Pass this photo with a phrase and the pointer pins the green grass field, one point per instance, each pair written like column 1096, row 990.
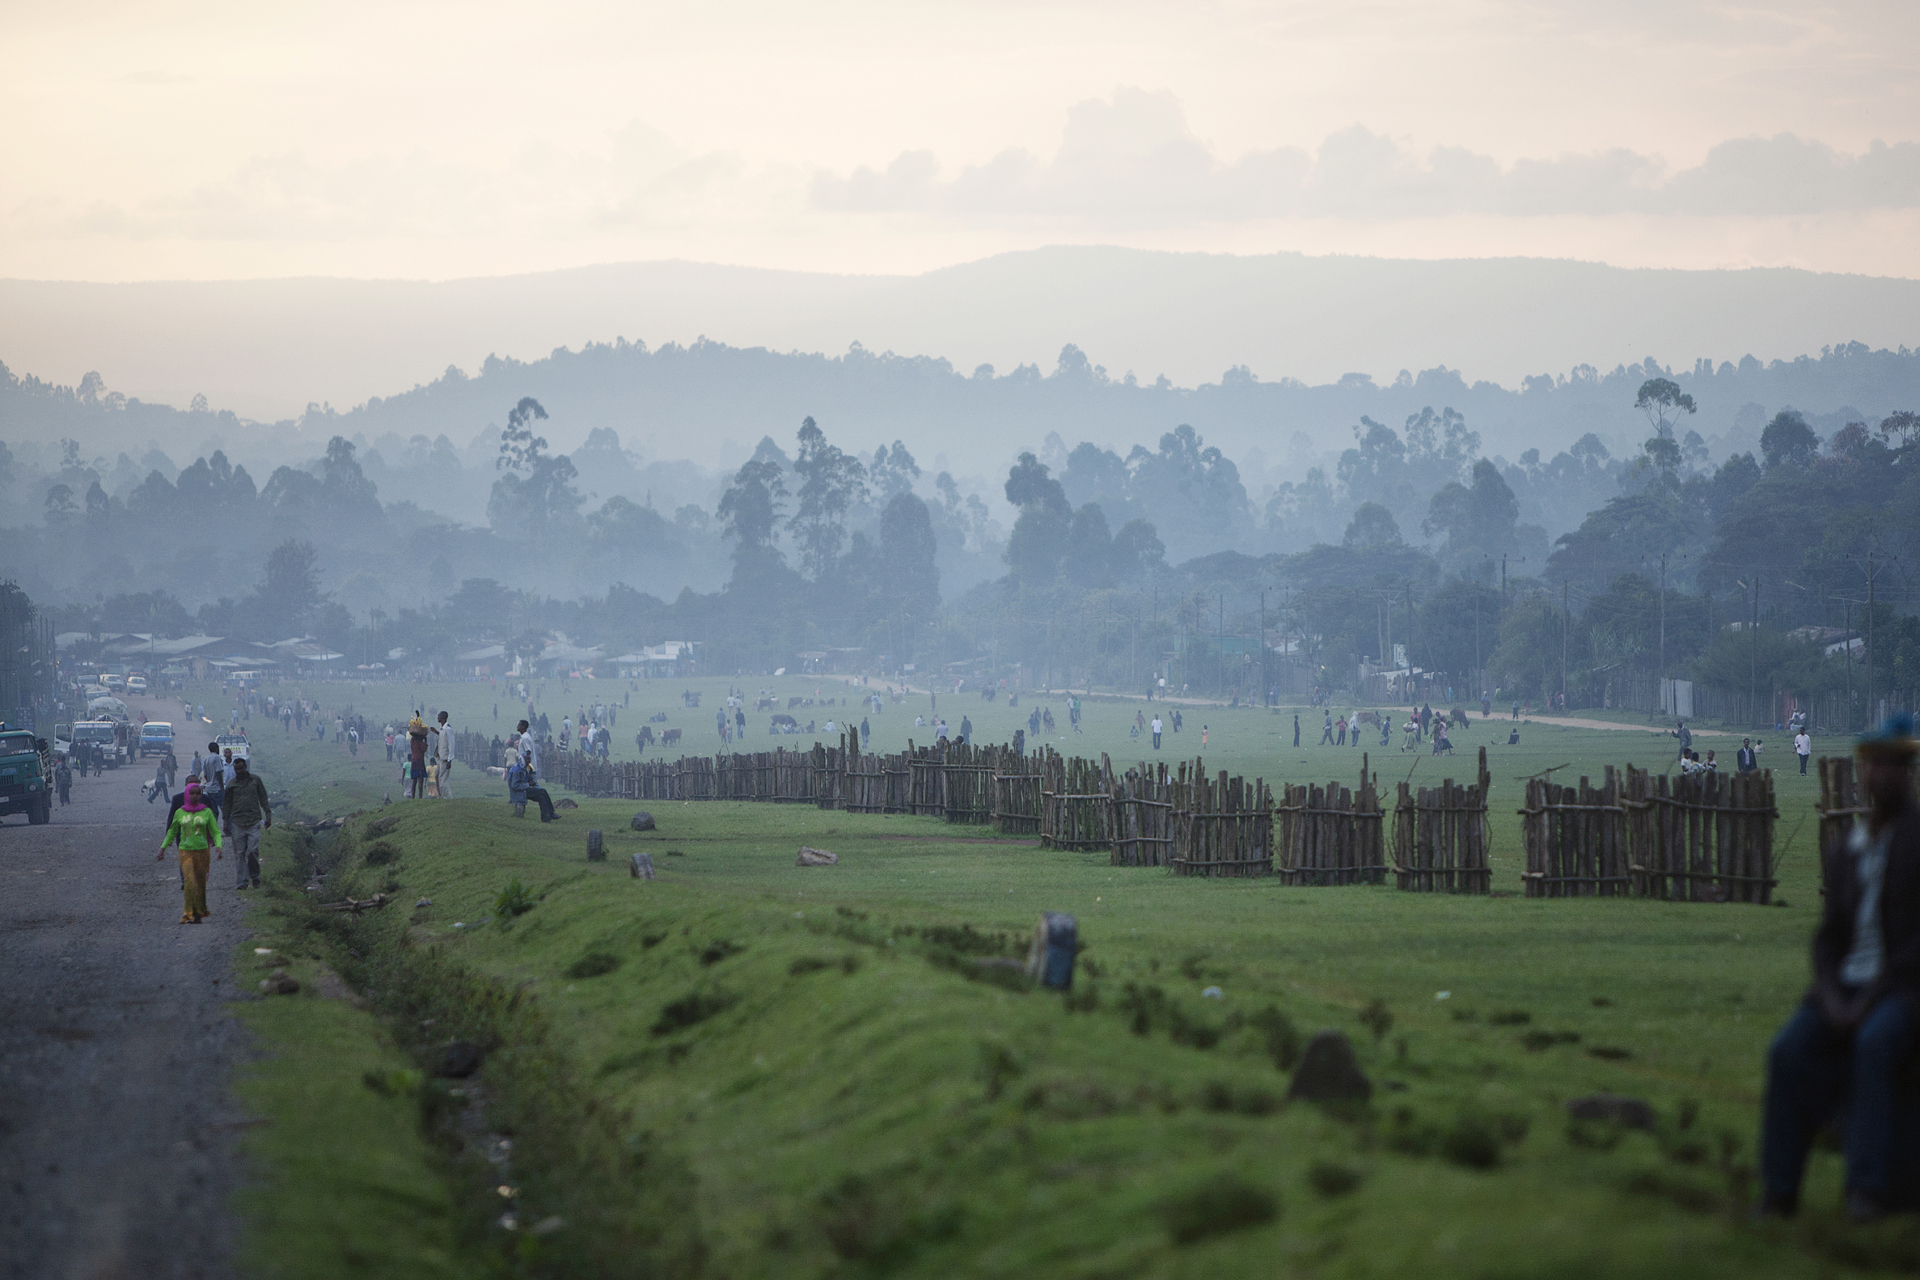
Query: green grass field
column 813, row 1053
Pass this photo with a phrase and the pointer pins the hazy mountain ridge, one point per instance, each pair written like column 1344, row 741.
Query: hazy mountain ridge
column 1292, row 323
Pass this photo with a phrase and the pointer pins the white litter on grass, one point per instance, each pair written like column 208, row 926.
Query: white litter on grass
column 1443, row 995
column 1212, row 993
column 263, row 951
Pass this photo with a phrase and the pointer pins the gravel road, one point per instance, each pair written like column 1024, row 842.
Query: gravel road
column 117, row 1044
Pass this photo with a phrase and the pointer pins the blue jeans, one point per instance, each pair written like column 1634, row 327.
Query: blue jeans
column 1812, row 1070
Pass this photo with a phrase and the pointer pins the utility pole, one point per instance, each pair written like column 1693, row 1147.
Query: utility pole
column 1662, row 675
column 1846, row 648
column 1265, row 699
column 1566, row 625
column 1386, row 608
column 1503, row 579
column 1410, row 679
column 1753, row 673
column 1870, row 653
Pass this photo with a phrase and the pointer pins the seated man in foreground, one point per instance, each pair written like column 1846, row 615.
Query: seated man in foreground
column 522, row 786
column 1846, row 1041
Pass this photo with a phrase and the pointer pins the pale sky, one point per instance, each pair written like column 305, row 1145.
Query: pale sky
column 430, row 140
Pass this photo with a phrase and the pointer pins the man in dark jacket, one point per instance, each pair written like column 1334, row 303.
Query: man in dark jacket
column 1851, row 1033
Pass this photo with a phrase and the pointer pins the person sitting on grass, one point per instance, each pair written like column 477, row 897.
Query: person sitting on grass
column 522, row 786
column 1848, row 1039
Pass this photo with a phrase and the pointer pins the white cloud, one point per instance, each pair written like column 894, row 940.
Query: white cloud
column 1132, row 161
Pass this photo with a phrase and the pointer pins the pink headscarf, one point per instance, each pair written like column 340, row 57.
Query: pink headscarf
column 192, row 803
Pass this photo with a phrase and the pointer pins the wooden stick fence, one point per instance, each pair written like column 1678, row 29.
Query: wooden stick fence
column 1073, row 801
column 1576, row 840
column 1440, row 837
column 1702, row 837
column 1331, row 835
column 1017, row 795
column 1140, row 813
column 1842, row 802
column 1221, row 827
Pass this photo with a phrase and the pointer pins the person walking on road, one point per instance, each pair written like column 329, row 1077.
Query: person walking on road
column 249, row 815
column 171, row 764
column 195, row 830
column 63, row 780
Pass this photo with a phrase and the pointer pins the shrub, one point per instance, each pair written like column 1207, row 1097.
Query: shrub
column 593, row 964
column 381, row 853
column 1332, row 1180
column 1283, row 1038
column 1225, row 1202
column 514, row 900
column 690, row 1010
column 1377, row 1019
column 719, row 949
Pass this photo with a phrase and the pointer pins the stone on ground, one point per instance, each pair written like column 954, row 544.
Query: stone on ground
column 1328, row 1072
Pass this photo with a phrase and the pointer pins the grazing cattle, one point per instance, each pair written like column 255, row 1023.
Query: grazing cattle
column 785, row 721
column 794, row 702
column 644, row 738
column 670, row 737
column 764, row 703
column 1458, row 717
column 1369, row 717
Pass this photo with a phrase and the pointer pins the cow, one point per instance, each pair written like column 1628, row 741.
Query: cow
column 794, row 702
column 669, row 737
column 764, row 703
column 644, row 738
column 785, row 721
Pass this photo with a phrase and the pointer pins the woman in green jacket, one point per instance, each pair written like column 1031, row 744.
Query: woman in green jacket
column 196, row 830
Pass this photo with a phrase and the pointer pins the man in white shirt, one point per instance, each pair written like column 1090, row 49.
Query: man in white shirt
column 1802, row 747
column 1156, row 733
column 442, row 735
